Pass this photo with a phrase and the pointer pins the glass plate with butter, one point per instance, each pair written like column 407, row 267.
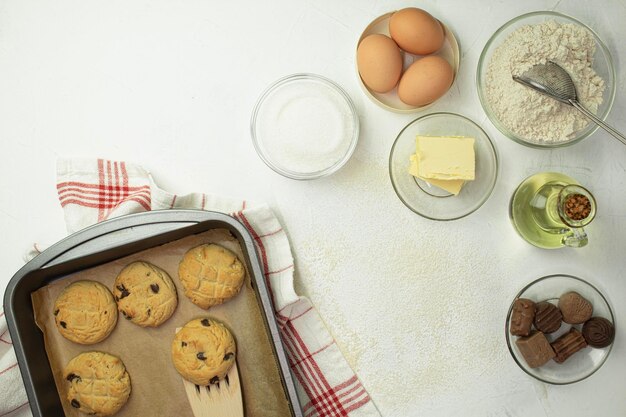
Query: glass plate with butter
column 443, row 166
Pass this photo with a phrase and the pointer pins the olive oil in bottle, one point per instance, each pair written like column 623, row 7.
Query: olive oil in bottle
column 549, row 209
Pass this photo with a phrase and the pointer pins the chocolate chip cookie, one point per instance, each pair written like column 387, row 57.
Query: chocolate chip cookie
column 145, row 294
column 98, row 383
column 211, row 275
column 203, row 351
column 85, row 312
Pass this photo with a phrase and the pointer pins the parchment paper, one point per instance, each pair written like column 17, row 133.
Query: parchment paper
column 157, row 388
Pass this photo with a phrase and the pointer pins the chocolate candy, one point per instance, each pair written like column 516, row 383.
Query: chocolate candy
column 522, row 317
column 598, row 332
column 568, row 344
column 548, row 317
column 575, row 308
column 535, row 349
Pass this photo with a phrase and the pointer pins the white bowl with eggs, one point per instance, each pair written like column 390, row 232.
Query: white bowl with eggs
column 412, row 79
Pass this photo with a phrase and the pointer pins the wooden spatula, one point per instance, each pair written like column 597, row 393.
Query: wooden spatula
column 222, row 399
column 217, row 400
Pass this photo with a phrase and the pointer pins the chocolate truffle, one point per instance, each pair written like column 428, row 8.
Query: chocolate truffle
column 575, row 308
column 568, row 344
column 598, row 332
column 522, row 317
column 548, row 317
column 535, row 349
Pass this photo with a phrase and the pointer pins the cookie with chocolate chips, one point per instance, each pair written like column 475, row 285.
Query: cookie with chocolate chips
column 85, row 312
column 145, row 294
column 211, row 275
column 203, row 351
column 98, row 383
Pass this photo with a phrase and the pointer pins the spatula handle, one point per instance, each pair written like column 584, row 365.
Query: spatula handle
column 599, row 122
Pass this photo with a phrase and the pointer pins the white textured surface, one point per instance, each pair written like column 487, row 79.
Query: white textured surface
column 417, row 306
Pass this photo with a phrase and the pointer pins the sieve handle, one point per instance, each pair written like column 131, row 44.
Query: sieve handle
column 599, row 122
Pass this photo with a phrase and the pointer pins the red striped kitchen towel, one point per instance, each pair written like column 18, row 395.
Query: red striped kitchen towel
column 12, row 395
column 94, row 190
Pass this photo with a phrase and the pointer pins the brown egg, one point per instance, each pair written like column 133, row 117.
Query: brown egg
column 425, row 81
column 416, row 31
column 379, row 62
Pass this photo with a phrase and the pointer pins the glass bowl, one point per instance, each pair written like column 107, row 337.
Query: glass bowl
column 602, row 64
column 432, row 202
column 583, row 363
column 390, row 100
column 304, row 126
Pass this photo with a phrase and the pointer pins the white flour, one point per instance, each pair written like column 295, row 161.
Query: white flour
column 306, row 126
column 527, row 113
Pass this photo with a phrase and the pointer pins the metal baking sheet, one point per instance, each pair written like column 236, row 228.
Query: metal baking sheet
column 104, row 243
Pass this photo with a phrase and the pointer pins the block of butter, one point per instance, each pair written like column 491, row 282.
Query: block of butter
column 451, row 186
column 445, row 157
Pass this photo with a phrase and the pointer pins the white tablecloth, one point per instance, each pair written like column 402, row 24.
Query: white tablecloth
column 416, row 306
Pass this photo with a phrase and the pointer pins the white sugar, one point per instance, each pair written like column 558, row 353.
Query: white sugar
column 305, row 127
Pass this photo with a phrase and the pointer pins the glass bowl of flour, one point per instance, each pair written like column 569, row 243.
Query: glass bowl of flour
column 523, row 114
column 304, row 126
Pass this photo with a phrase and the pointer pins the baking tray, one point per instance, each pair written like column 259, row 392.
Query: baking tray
column 102, row 243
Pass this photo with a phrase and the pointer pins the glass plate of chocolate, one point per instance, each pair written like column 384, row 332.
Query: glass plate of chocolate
column 560, row 329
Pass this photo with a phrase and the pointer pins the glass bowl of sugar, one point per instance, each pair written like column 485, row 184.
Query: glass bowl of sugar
column 523, row 114
column 304, row 126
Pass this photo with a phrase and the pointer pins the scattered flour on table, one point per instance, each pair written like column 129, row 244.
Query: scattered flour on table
column 408, row 302
column 527, row 113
